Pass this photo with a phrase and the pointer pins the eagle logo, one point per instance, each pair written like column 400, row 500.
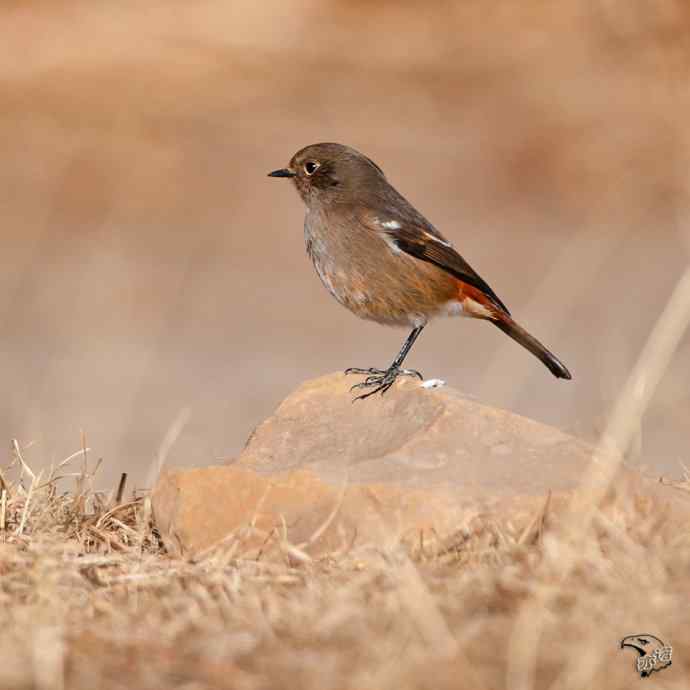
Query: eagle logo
column 653, row 654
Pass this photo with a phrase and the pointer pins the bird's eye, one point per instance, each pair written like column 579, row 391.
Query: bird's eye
column 310, row 167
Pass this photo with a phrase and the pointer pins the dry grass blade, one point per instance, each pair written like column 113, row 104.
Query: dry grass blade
column 18, row 455
column 329, row 519
column 121, row 488
column 27, row 503
column 171, row 435
column 3, row 509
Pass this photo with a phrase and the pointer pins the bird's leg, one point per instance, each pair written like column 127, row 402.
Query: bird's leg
column 382, row 379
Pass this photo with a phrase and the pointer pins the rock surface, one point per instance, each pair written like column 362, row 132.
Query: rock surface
column 323, row 473
column 413, row 436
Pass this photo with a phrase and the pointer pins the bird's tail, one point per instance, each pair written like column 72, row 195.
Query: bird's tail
column 529, row 342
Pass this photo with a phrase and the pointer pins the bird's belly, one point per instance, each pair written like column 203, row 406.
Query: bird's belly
column 397, row 295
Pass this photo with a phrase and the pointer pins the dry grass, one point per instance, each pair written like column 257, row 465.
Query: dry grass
column 90, row 600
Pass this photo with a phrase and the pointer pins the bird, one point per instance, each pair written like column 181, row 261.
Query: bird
column 384, row 261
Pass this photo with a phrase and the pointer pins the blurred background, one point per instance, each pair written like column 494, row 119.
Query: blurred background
column 154, row 281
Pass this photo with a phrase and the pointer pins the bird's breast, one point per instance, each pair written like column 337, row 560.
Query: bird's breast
column 360, row 269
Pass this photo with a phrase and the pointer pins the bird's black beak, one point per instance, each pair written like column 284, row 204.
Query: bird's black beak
column 283, row 172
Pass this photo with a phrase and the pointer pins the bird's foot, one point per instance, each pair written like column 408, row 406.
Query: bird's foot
column 379, row 379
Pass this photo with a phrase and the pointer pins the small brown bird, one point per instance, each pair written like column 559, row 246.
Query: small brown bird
column 380, row 258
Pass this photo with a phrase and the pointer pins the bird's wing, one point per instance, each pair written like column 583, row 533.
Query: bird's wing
column 417, row 237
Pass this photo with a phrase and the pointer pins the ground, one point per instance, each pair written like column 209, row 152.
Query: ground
column 91, row 600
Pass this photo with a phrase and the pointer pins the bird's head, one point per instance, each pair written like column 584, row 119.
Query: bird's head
column 328, row 173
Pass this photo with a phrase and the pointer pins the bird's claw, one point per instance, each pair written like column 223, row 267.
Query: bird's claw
column 360, row 371
column 379, row 379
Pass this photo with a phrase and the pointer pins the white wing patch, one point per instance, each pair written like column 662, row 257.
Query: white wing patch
column 390, row 224
column 396, row 225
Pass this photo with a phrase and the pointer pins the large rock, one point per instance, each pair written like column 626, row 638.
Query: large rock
column 324, row 473
column 413, row 436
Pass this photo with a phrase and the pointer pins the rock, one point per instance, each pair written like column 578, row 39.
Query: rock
column 413, row 436
column 324, row 473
